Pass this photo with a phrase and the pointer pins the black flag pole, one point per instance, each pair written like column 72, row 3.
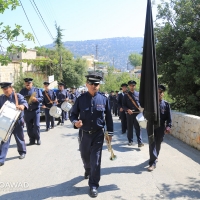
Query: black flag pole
column 148, row 83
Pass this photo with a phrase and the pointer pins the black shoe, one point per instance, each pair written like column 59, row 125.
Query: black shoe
column 39, row 142
column 1, row 164
column 140, row 145
column 130, row 144
column 93, row 192
column 22, row 156
column 123, row 132
column 151, row 168
column 47, row 129
column 58, row 123
column 30, row 143
column 86, row 175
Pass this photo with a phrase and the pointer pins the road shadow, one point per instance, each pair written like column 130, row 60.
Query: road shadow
column 179, row 191
column 121, row 147
column 12, row 158
column 137, row 169
column 13, row 146
column 183, row 148
column 175, row 143
column 65, row 189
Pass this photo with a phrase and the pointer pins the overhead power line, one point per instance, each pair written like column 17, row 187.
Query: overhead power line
column 29, row 23
column 43, row 20
column 40, row 18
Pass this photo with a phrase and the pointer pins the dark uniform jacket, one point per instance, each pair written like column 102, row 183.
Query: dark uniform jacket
column 111, row 98
column 127, row 103
column 120, row 100
column 52, row 96
column 165, row 114
column 61, row 96
column 72, row 97
column 94, row 112
column 115, row 100
column 27, row 93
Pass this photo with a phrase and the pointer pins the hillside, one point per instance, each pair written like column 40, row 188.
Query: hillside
column 117, row 48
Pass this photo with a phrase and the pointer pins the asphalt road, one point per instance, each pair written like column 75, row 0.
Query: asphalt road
column 54, row 170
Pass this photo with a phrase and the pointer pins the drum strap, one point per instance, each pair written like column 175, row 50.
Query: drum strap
column 16, row 99
column 132, row 101
column 48, row 97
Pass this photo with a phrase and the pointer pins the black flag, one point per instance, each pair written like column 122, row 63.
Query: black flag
column 149, row 83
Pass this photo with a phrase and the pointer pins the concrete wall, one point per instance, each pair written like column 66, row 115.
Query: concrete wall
column 186, row 128
column 10, row 72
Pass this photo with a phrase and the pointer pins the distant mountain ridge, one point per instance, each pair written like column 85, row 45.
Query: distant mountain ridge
column 109, row 50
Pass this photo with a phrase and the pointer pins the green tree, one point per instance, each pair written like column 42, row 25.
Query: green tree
column 113, row 81
column 110, row 81
column 58, row 40
column 135, row 59
column 9, row 36
column 178, row 52
column 73, row 70
column 60, row 49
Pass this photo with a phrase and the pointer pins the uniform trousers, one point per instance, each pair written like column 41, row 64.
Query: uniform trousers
column 154, row 148
column 19, row 138
column 123, row 121
column 131, row 121
column 62, row 118
column 48, row 118
column 32, row 120
column 116, row 110
column 91, row 150
column 111, row 106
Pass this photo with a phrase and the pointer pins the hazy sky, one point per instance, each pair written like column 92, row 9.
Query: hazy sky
column 81, row 19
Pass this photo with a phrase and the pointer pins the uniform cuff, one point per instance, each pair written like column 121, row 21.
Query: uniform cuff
column 110, row 133
column 73, row 122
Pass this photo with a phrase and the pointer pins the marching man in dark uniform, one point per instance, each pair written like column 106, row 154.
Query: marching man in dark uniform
column 111, row 101
column 88, row 115
column 115, row 103
column 62, row 95
column 73, row 94
column 165, row 126
column 49, row 100
column 18, row 130
column 131, row 107
column 32, row 114
column 121, row 110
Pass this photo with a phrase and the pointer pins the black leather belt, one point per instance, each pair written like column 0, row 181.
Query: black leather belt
column 32, row 109
column 91, row 132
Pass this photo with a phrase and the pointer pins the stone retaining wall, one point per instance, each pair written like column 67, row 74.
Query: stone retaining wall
column 187, row 128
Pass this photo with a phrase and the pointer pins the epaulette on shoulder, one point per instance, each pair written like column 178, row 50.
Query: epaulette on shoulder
column 103, row 94
column 166, row 102
column 79, row 95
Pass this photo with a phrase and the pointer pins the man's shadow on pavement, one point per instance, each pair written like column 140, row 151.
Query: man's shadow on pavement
column 123, row 148
column 60, row 190
column 137, row 169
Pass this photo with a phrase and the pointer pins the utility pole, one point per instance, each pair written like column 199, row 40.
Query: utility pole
column 127, row 64
column 96, row 56
column 96, row 51
column 113, row 62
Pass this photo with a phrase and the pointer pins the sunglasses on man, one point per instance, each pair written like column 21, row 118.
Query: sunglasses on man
column 91, row 83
